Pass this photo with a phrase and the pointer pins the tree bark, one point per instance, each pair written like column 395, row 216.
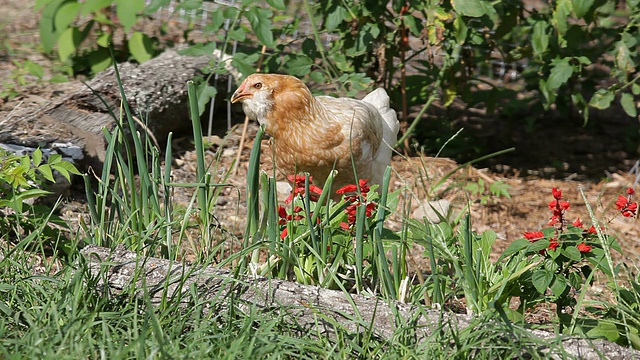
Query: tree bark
column 305, row 305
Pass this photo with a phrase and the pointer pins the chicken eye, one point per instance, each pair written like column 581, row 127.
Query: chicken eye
column 257, row 85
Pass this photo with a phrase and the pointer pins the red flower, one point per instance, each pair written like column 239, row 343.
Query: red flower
column 533, row 236
column 626, row 207
column 347, row 189
column 592, row 230
column 559, row 205
column 284, row 233
column 557, row 194
column 630, row 191
column 578, row 223
column 584, row 248
column 351, row 188
column 299, row 188
column 553, row 244
column 354, row 201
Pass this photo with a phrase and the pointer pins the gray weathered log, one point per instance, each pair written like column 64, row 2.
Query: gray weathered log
column 302, row 303
column 156, row 89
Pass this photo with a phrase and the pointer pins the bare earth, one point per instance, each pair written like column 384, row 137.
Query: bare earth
column 530, row 191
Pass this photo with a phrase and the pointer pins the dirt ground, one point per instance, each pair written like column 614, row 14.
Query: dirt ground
column 529, row 186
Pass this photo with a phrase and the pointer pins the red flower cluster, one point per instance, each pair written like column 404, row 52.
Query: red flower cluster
column 625, row 206
column 298, row 188
column 356, row 200
column 558, row 207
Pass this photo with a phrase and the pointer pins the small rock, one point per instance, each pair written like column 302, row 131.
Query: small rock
column 284, row 189
column 431, row 209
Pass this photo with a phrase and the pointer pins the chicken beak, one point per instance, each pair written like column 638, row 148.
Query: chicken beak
column 240, row 93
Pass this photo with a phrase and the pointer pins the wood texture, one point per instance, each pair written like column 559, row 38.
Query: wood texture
column 307, row 306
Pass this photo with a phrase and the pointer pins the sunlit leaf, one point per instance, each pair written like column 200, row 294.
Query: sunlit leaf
column 68, row 43
column 540, row 37
column 127, row 11
column 472, row 8
column 45, row 170
column 605, row 329
column 629, row 104
column 37, row 157
column 141, row 47
column 66, row 14
column 602, row 99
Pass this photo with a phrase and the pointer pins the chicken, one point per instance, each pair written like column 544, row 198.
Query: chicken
column 315, row 134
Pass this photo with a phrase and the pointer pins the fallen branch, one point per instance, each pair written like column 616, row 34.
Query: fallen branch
column 304, row 304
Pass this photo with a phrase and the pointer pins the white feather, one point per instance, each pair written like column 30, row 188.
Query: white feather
column 380, row 100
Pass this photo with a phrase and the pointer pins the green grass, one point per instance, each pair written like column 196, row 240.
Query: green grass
column 67, row 313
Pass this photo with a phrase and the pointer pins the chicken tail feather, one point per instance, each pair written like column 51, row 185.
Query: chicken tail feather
column 380, row 100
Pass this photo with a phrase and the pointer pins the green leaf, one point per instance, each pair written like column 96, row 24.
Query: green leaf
column 65, row 15
column 575, row 280
column 99, row 59
column 34, row 69
column 45, row 170
column 190, row 5
column 277, row 4
column 58, row 78
column 205, row 94
column 95, row 6
column 261, row 24
column 37, row 157
column 54, row 159
column 244, row 62
column 623, row 62
column 560, row 16
column 415, row 25
column 202, row 49
column 635, row 89
column 155, row 5
column 317, row 76
column 541, row 280
column 539, row 245
column 540, row 38
column 472, row 8
column 48, row 33
column 605, row 329
column 582, row 7
column 560, row 73
column 572, row 253
column 334, row 18
column 559, row 285
column 602, row 99
column 461, row 30
column 629, row 104
column 515, row 247
column 299, row 65
column 104, row 40
column 67, row 166
column 68, row 43
column 141, row 47
column 127, row 11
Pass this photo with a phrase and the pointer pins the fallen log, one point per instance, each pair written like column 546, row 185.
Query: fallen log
column 120, row 269
column 156, row 92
